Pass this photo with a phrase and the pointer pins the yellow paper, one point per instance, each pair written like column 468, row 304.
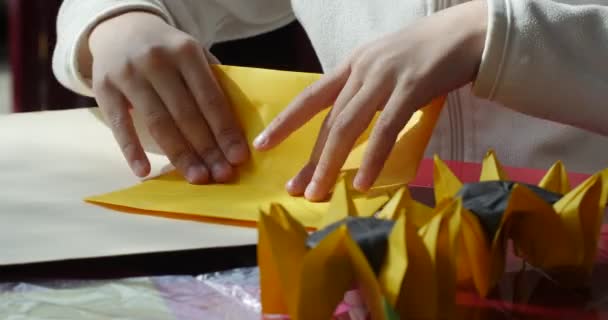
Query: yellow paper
column 326, row 270
column 257, row 96
column 408, row 276
column 491, row 168
column 556, row 179
column 583, row 212
column 341, row 205
column 473, row 248
column 396, row 263
column 446, row 184
column 284, row 243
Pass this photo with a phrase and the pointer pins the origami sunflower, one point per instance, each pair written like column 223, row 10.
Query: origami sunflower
column 407, row 259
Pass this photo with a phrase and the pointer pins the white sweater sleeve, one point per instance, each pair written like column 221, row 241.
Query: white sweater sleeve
column 206, row 20
column 75, row 21
column 547, row 59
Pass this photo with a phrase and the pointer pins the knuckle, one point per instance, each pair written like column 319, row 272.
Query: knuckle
column 386, row 129
column 153, row 56
column 212, row 98
column 340, row 127
column 409, row 81
column 321, row 172
column 211, row 154
column 103, row 83
column 182, row 106
column 156, row 123
column 126, row 72
column 129, row 148
column 382, row 66
column 182, row 158
column 363, row 60
column 183, row 112
column 343, row 127
column 187, row 47
column 116, row 120
column 229, row 133
column 229, row 136
column 310, row 92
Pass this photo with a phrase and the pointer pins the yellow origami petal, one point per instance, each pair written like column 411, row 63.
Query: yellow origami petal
column 327, row 273
column 282, row 250
column 604, row 178
column 447, row 250
column 400, row 200
column 445, row 182
column 396, row 263
column 419, row 291
column 475, row 251
column 439, row 237
column 331, row 269
column 556, row 179
column 418, row 213
column 582, row 215
column 366, row 279
column 491, row 169
column 408, row 275
column 368, row 205
column 273, row 301
column 537, row 231
column 340, row 206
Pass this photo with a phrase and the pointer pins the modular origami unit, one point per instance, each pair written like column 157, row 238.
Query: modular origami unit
column 408, row 259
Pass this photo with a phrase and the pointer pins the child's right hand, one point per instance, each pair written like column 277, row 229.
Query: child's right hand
column 163, row 74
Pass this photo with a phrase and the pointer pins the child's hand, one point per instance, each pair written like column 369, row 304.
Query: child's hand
column 139, row 61
column 398, row 74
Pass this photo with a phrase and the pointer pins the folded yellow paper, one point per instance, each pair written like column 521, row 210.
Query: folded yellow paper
column 258, row 95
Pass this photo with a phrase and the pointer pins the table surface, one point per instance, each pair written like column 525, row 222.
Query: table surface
column 49, row 162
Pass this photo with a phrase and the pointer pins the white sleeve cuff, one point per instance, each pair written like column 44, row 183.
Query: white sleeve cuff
column 495, row 50
column 76, row 20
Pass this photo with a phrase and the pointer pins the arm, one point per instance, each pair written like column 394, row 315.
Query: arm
column 206, row 21
column 548, row 59
column 147, row 60
column 72, row 59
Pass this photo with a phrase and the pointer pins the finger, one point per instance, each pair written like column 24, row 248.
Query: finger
column 345, row 131
column 213, row 104
column 382, row 140
column 171, row 88
column 163, row 129
column 297, row 185
column 115, row 109
column 350, row 89
column 317, row 97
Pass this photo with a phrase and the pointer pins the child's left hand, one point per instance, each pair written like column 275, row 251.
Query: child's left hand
column 398, row 73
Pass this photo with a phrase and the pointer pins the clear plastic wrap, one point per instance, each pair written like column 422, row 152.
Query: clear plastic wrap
column 226, row 295
column 235, row 294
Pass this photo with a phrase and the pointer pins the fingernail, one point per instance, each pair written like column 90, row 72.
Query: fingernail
column 291, row 188
column 197, row 175
column 360, row 183
column 311, row 191
column 261, row 140
column 139, row 166
column 222, row 172
column 237, row 153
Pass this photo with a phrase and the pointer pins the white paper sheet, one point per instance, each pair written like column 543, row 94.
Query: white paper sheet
column 50, row 161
